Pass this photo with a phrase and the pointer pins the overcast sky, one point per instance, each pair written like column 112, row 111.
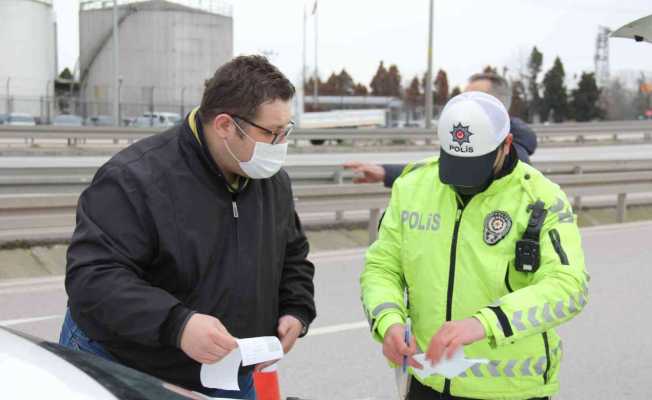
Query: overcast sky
column 468, row 34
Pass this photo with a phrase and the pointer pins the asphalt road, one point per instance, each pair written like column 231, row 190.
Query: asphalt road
column 608, row 350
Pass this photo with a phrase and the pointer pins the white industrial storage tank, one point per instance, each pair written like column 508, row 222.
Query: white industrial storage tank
column 167, row 49
column 27, row 54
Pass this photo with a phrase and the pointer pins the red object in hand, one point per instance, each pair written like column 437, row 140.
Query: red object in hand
column 266, row 384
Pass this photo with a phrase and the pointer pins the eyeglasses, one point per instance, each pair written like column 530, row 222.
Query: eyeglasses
column 285, row 132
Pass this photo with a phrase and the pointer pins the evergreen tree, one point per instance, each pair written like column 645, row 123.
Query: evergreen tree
column 360, row 90
column 584, row 103
column 344, row 83
column 519, row 106
column 66, row 74
column 394, row 87
column 441, row 88
column 554, row 93
column 413, row 95
column 378, row 82
column 534, row 68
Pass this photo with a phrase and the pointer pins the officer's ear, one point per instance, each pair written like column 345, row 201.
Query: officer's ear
column 503, row 152
column 507, row 143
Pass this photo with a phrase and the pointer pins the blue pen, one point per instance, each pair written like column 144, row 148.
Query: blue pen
column 407, row 342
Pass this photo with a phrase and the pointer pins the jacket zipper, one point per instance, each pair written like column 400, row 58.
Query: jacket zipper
column 547, row 346
column 235, row 207
column 451, row 281
column 507, row 285
column 236, row 215
column 556, row 243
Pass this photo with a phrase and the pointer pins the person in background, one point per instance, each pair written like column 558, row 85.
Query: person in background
column 525, row 140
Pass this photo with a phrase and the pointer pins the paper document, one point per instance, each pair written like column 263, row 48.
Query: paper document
column 448, row 368
column 260, row 349
column 224, row 374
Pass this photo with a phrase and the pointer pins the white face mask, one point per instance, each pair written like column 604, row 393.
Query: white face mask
column 266, row 161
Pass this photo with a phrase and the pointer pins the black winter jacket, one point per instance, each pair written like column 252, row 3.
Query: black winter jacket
column 159, row 236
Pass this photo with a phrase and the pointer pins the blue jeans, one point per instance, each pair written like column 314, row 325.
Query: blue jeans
column 74, row 338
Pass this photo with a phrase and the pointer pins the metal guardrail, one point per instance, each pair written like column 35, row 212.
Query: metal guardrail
column 577, row 131
column 47, row 216
column 75, row 179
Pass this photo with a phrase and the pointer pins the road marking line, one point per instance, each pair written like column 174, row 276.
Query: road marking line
column 34, row 285
column 325, row 330
column 19, row 282
column 11, row 322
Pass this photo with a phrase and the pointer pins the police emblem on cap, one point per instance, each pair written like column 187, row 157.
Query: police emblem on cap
column 461, row 134
column 496, row 227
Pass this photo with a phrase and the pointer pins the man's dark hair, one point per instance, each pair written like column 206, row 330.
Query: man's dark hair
column 500, row 88
column 241, row 85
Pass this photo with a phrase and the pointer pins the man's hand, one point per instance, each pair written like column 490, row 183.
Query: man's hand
column 451, row 336
column 288, row 330
column 367, row 173
column 394, row 347
column 206, row 340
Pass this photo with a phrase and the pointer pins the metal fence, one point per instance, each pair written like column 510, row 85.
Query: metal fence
column 44, row 109
column 39, row 216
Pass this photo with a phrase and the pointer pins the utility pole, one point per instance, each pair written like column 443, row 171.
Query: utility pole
column 303, row 69
column 183, row 108
column 428, row 95
column 116, row 67
column 8, row 99
column 315, row 101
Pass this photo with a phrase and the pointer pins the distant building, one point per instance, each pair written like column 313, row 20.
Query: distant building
column 27, row 51
column 167, row 49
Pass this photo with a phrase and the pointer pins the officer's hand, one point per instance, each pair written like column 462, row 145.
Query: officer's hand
column 367, row 173
column 451, row 336
column 206, row 340
column 394, row 347
column 289, row 328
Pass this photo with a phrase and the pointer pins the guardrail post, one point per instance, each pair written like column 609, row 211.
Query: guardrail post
column 621, row 210
column 577, row 200
column 338, row 179
column 647, row 136
column 374, row 219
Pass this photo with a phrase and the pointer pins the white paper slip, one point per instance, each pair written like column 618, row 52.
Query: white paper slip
column 260, row 349
column 448, row 368
column 224, row 374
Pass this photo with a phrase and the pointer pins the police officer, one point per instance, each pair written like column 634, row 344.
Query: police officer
column 490, row 255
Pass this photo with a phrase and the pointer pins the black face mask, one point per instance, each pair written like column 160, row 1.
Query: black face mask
column 469, row 191
column 473, row 190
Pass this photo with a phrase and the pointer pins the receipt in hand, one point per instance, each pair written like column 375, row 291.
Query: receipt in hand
column 448, row 368
column 224, row 374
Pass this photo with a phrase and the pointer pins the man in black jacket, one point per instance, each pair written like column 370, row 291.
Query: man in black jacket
column 189, row 239
column 525, row 140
